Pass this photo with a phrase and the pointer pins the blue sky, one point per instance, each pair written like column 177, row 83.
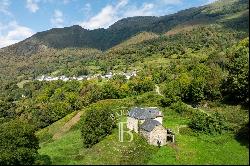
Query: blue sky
column 20, row 19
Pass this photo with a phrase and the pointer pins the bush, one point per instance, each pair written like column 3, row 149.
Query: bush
column 148, row 99
column 195, row 92
column 243, row 134
column 141, row 85
column 235, row 88
column 18, row 143
column 172, row 90
column 165, row 102
column 96, row 125
column 43, row 160
column 214, row 124
column 180, row 107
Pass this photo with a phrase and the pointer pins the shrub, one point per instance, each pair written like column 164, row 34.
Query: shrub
column 141, row 85
column 18, row 143
column 148, row 98
column 165, row 102
column 210, row 124
column 180, row 107
column 243, row 134
column 235, row 87
column 195, row 92
column 172, row 90
column 43, row 160
column 97, row 124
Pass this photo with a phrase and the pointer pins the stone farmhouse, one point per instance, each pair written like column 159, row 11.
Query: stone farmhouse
column 148, row 123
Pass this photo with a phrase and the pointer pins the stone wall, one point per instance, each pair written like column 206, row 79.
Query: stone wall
column 145, row 134
column 158, row 133
column 132, row 124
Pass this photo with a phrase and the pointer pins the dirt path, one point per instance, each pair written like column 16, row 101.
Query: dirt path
column 157, row 89
column 67, row 126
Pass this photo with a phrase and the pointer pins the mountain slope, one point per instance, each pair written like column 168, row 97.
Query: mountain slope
column 67, row 51
column 103, row 39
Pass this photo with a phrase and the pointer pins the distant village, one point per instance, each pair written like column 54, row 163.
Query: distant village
column 109, row 75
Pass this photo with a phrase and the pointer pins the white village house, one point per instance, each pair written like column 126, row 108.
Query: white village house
column 86, row 77
column 148, row 123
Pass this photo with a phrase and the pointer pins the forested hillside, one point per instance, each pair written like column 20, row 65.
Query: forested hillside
column 229, row 13
column 198, row 58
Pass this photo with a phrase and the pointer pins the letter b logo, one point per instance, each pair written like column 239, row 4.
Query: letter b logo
column 121, row 132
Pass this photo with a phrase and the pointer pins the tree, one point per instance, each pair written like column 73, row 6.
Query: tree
column 160, row 75
column 235, row 87
column 213, row 82
column 172, row 90
column 141, row 85
column 97, row 124
column 110, row 91
column 73, row 99
column 195, row 91
column 18, row 143
column 210, row 124
column 119, row 78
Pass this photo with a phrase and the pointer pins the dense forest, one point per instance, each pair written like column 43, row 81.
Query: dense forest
column 199, row 59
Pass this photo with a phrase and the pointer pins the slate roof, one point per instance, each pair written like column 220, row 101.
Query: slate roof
column 149, row 124
column 144, row 113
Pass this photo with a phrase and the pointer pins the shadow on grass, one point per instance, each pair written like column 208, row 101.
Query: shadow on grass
column 243, row 135
column 43, row 160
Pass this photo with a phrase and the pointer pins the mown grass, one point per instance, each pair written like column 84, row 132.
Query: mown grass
column 44, row 135
column 69, row 150
column 203, row 149
column 194, row 148
column 222, row 149
column 64, row 150
column 189, row 148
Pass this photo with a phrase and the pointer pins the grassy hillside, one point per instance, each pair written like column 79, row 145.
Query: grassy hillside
column 190, row 147
column 139, row 38
column 120, row 31
column 67, row 50
column 193, row 65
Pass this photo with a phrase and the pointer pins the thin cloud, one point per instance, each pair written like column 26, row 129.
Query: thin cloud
column 4, row 7
column 210, row 1
column 170, row 2
column 87, row 9
column 122, row 9
column 67, row 1
column 12, row 33
column 32, row 5
column 57, row 19
column 145, row 10
column 102, row 19
column 112, row 13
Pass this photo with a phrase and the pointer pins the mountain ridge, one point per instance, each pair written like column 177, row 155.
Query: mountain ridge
column 103, row 39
